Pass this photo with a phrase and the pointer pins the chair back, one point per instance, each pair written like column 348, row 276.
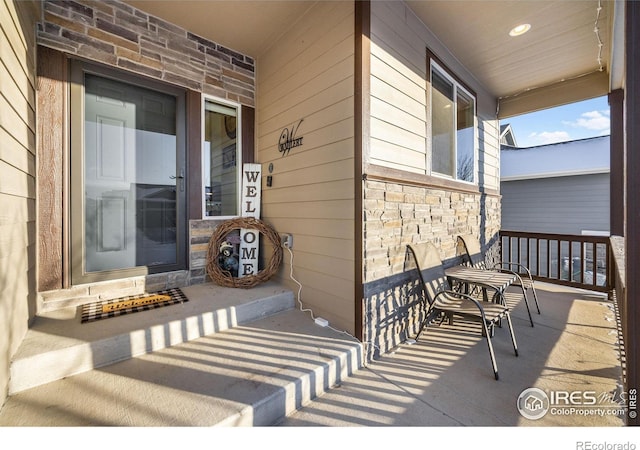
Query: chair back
column 430, row 269
column 473, row 251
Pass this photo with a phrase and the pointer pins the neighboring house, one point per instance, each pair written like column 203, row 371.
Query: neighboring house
column 556, row 188
column 507, row 137
column 559, row 188
column 125, row 124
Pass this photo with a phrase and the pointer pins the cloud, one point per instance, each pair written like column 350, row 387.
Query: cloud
column 549, row 137
column 592, row 120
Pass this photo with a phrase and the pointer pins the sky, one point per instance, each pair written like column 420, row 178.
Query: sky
column 580, row 120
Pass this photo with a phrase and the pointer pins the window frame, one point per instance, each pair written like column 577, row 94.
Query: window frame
column 239, row 154
column 434, row 63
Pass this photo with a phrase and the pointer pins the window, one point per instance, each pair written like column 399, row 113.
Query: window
column 221, row 163
column 453, row 137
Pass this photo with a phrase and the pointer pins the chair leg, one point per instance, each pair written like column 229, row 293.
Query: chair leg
column 535, row 297
column 492, row 330
column 423, row 325
column 494, row 364
column 513, row 336
column 449, row 316
column 526, row 302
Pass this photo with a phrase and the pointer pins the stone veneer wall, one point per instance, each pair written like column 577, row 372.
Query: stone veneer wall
column 200, row 232
column 117, row 35
column 396, row 215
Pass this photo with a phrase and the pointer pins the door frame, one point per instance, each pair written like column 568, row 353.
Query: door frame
column 76, row 173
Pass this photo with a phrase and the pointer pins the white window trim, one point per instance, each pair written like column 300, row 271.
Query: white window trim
column 237, row 107
column 445, row 74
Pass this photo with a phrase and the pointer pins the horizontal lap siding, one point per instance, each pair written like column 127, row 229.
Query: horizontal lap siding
column 17, row 178
column 398, row 91
column 557, row 205
column 489, row 153
column 399, row 42
column 308, row 74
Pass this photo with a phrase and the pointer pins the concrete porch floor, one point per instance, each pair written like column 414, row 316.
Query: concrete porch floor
column 280, row 363
column 445, row 379
column 230, row 357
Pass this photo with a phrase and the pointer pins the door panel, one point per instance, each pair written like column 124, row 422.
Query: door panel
column 109, row 156
column 111, row 231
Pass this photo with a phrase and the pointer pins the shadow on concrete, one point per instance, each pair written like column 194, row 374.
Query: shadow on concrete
column 445, row 379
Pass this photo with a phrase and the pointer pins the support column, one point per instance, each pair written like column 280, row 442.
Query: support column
column 632, row 231
column 362, row 72
column 617, row 173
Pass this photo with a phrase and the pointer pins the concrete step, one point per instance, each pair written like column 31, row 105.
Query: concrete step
column 253, row 374
column 58, row 345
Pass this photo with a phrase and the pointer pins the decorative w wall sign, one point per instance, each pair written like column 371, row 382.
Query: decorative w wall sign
column 289, row 139
column 250, row 238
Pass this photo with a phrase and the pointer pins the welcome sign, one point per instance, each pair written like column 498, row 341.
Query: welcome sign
column 250, row 238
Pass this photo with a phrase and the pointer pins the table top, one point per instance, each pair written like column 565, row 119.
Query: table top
column 490, row 278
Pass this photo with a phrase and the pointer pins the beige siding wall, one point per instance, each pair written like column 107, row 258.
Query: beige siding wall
column 17, row 177
column 308, row 75
column 398, row 95
column 489, row 154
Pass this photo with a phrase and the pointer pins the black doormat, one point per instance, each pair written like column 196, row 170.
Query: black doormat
column 132, row 304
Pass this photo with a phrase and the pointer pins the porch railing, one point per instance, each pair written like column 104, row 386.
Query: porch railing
column 573, row 260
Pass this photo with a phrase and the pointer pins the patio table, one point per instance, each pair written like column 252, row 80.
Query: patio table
column 484, row 279
column 497, row 281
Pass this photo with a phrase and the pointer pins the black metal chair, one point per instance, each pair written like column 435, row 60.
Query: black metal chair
column 476, row 258
column 440, row 299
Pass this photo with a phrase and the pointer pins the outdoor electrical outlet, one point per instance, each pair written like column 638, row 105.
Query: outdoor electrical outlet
column 286, row 240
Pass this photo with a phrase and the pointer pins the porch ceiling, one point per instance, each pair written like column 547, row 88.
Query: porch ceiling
column 556, row 62
column 247, row 26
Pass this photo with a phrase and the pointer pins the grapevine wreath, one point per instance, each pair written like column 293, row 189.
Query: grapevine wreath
column 224, row 277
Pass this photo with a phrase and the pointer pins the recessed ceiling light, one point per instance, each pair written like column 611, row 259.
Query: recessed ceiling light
column 520, row 29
